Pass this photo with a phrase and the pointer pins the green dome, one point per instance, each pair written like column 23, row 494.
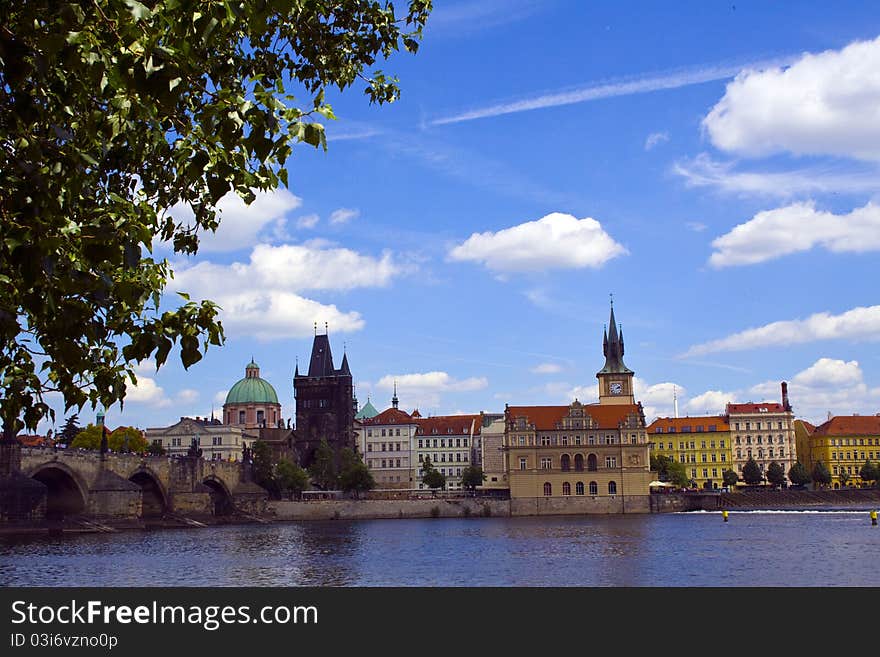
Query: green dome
column 252, row 389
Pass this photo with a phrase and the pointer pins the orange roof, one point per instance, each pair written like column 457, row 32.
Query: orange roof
column 771, row 407
column 718, row 421
column 34, row 441
column 808, row 426
column 850, row 425
column 546, row 418
column 444, row 425
column 389, row 416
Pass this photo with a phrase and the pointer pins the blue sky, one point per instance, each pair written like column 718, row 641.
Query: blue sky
column 713, row 165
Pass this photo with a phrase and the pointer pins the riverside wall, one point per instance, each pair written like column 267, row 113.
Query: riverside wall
column 368, row 509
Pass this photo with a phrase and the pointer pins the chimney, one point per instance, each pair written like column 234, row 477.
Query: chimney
column 785, row 405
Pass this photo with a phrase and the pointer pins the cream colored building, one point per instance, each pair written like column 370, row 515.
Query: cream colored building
column 216, row 440
column 764, row 431
column 447, row 440
column 492, row 455
column 385, row 442
column 582, row 458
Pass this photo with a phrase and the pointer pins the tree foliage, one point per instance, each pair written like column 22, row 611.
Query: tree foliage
column 291, row 479
column 775, row 474
column 472, row 476
column 88, row 438
column 123, row 122
column 821, row 475
column 323, row 467
column 670, row 470
column 729, row 478
column 798, row 475
column 869, row 472
column 127, row 439
column 431, row 476
column 262, row 467
column 69, row 431
column 843, row 477
column 155, row 448
column 354, row 475
column 752, row 474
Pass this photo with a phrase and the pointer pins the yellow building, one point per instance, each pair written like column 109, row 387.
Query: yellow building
column 702, row 444
column 802, row 433
column 844, row 443
column 581, row 458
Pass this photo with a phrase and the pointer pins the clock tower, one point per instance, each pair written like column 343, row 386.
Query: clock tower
column 615, row 379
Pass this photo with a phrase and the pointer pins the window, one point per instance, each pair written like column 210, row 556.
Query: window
column 566, row 488
column 592, row 440
column 713, row 427
column 396, row 463
column 435, row 440
column 545, row 440
column 681, row 458
column 703, row 458
column 383, row 447
column 383, row 463
column 592, row 463
column 723, row 457
column 397, row 432
column 369, row 447
column 443, row 442
column 579, row 488
column 714, row 458
column 712, row 444
column 175, row 442
column 565, row 462
column 577, row 441
column 522, row 463
column 714, row 472
column 522, row 440
column 564, row 442
column 383, row 435
column 457, row 442
column 699, row 428
column 548, row 489
column 464, row 442
column 396, row 447
column 705, row 473
column 658, row 430
column 722, row 444
column 546, row 463
column 609, row 440
column 241, row 419
column 610, row 461
column 579, row 462
column 594, row 488
column 612, row 488
column 457, row 456
column 681, row 445
column 261, row 415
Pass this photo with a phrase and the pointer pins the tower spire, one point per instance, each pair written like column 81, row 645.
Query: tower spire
column 612, row 347
column 394, row 400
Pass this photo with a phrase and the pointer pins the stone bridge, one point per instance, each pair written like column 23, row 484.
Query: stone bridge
column 83, row 483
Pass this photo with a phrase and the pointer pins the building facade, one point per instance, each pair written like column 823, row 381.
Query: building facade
column 492, row 455
column 844, row 443
column 702, row 444
column 447, row 440
column 325, row 403
column 215, row 439
column 386, row 442
column 582, row 458
column 764, row 432
column 252, row 402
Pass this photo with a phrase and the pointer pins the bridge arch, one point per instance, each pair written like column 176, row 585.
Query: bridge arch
column 66, row 493
column 221, row 498
column 153, row 494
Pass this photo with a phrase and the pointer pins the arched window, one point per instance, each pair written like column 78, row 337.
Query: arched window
column 591, row 463
column 579, row 488
column 579, row 462
column 565, row 462
column 548, row 489
column 594, row 488
column 566, row 488
column 612, row 488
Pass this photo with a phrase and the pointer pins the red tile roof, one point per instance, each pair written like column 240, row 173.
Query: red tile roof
column 718, row 421
column 35, row 441
column 809, row 427
column 389, row 416
column 850, row 425
column 771, row 407
column 546, row 418
column 445, row 425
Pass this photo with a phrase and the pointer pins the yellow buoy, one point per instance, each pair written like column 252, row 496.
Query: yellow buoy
column 724, row 515
column 873, row 518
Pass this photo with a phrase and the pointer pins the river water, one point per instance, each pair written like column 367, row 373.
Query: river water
column 756, row 548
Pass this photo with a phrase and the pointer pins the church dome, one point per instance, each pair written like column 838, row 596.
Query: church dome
column 252, row 389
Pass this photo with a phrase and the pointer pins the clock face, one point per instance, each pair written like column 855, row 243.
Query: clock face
column 615, row 388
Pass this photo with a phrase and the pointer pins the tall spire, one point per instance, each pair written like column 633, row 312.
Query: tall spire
column 394, row 400
column 612, row 347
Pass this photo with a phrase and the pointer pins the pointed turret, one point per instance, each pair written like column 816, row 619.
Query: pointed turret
column 612, row 347
column 344, row 369
column 321, row 362
column 394, row 400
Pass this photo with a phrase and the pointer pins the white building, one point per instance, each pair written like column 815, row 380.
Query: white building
column 385, row 442
column 216, row 440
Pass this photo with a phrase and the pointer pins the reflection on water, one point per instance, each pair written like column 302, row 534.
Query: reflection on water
column 693, row 549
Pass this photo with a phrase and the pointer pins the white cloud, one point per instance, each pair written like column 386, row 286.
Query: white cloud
column 862, row 323
column 696, row 226
column 795, row 228
column 241, row 224
column 220, row 396
column 261, row 297
column 658, row 398
column 187, row 396
column 145, row 367
column 823, row 104
column 423, row 390
column 556, row 241
column 703, row 171
column 655, row 139
column 308, row 221
column 343, row 215
column 828, row 386
column 711, row 402
column 547, row 368
column 608, row 89
column 146, row 391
